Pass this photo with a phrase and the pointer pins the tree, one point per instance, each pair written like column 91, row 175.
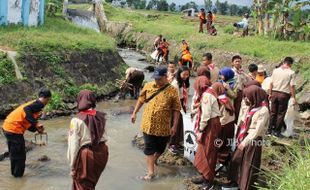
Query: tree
column 189, row 5
column 162, row 5
column 208, row 5
column 233, row 9
column 172, row 7
column 223, row 8
column 152, row 4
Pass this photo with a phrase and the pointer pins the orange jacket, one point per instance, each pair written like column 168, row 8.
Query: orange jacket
column 202, row 16
column 18, row 121
column 185, row 49
column 187, row 57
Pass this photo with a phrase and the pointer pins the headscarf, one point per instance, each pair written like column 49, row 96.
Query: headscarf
column 202, row 83
column 228, row 73
column 257, row 98
column 222, row 98
column 255, row 95
column 203, row 70
column 252, row 82
column 94, row 120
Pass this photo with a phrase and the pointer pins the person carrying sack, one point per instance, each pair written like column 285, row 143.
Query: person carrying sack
column 163, row 106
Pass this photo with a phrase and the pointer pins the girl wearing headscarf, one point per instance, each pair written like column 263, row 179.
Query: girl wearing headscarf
column 247, row 157
column 87, row 151
column 201, row 71
column 228, row 81
column 207, row 129
column 244, row 108
column 181, row 83
column 227, row 121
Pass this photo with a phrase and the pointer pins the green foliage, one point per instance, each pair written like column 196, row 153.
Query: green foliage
column 189, row 5
column 56, row 34
column 160, row 5
column 295, row 173
column 56, row 102
column 208, row 5
column 53, row 6
column 172, row 7
column 229, row 29
column 7, row 74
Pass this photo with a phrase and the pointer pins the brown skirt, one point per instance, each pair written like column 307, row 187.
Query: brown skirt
column 206, row 154
column 227, row 136
column 88, row 166
column 245, row 166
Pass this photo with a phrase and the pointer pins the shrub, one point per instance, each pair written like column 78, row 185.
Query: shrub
column 229, row 29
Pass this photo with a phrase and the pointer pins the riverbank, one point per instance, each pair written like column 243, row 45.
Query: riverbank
column 60, row 56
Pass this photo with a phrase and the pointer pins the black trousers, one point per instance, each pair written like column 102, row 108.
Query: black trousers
column 17, row 151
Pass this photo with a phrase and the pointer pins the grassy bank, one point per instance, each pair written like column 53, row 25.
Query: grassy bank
column 60, row 56
column 56, row 34
column 174, row 27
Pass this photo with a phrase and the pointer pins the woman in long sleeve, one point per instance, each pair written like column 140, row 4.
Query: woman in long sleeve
column 181, row 83
column 247, row 157
column 207, row 129
column 87, row 151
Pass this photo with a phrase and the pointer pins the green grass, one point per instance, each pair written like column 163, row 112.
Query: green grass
column 176, row 28
column 295, row 173
column 56, row 34
column 7, row 74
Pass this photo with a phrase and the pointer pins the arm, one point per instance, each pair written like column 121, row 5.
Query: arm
column 139, row 103
column 35, row 107
column 259, row 122
column 292, row 88
column 206, row 108
column 73, row 142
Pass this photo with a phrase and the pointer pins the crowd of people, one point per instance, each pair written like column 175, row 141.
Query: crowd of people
column 231, row 111
column 229, row 105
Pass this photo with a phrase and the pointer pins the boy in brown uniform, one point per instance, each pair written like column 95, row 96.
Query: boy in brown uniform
column 282, row 88
column 214, row 70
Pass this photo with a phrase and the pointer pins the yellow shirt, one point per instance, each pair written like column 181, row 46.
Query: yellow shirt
column 157, row 115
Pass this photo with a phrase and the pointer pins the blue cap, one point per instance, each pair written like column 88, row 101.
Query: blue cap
column 159, row 72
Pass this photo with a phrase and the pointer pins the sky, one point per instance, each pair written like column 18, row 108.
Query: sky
column 201, row 2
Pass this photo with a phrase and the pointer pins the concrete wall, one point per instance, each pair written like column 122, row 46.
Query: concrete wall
column 25, row 12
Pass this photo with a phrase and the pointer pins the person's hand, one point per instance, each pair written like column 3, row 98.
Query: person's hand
column 173, row 130
column 40, row 129
column 226, row 86
column 241, row 147
column 133, row 117
column 72, row 173
column 270, row 97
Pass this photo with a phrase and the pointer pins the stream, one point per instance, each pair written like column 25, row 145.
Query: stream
column 125, row 163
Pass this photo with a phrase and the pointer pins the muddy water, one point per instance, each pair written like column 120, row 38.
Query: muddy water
column 125, row 161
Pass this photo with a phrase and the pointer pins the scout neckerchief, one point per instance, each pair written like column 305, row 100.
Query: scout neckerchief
column 198, row 117
column 246, row 124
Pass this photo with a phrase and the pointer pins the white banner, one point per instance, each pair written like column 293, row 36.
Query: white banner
column 190, row 144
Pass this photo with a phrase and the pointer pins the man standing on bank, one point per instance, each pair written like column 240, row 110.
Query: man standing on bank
column 23, row 118
column 163, row 105
column 282, row 88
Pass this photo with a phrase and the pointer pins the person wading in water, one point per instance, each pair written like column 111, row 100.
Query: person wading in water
column 163, row 106
column 87, row 150
column 23, row 118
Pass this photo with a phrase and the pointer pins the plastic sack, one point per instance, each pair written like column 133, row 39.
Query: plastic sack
column 190, row 144
column 289, row 119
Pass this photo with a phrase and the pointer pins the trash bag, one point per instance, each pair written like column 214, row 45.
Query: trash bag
column 154, row 56
column 190, row 144
column 289, row 119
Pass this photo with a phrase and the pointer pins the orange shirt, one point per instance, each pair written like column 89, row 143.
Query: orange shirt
column 185, row 49
column 16, row 121
column 187, row 57
column 202, row 16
